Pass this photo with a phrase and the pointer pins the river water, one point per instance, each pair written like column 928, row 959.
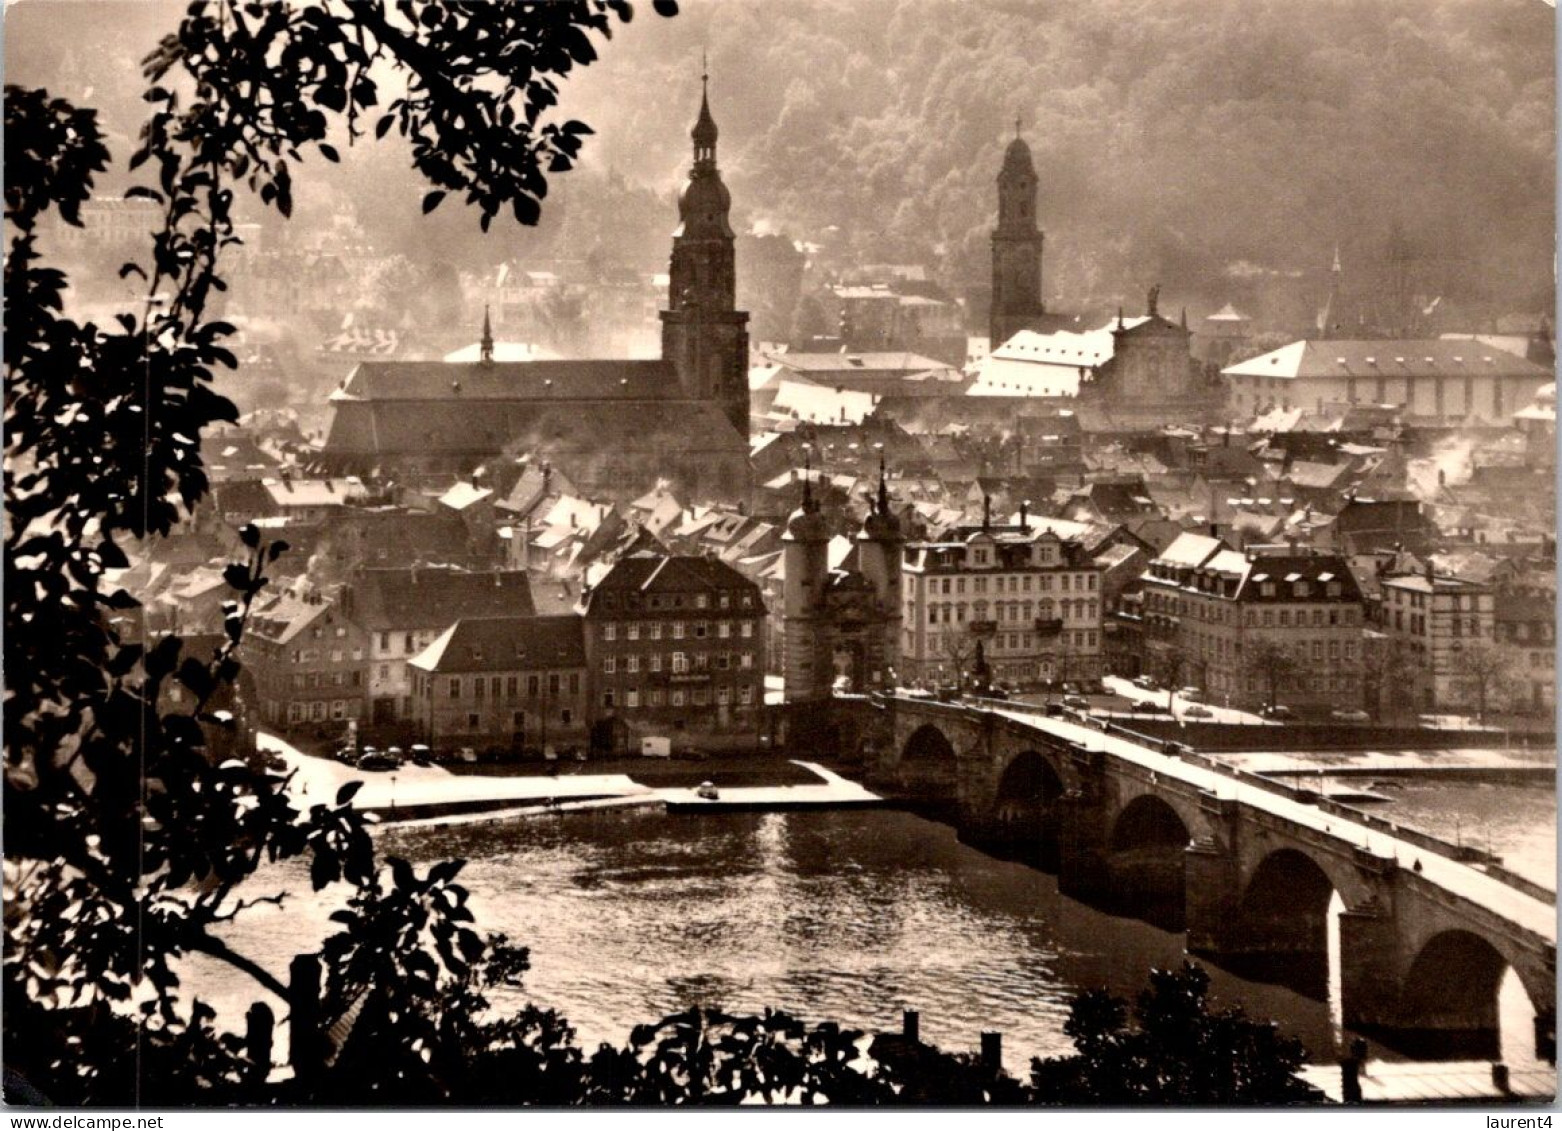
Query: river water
column 846, row 916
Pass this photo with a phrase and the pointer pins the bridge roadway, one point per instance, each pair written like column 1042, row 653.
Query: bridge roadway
column 1247, row 866
column 1453, row 876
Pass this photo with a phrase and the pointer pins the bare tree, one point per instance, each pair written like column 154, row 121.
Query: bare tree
column 959, row 648
column 1389, row 673
column 1489, row 672
column 1170, row 662
column 1276, row 663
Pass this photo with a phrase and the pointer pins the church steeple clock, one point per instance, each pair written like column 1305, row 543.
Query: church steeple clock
column 703, row 334
column 1017, row 247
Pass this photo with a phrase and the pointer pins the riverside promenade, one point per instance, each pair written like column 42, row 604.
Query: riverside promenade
column 406, row 796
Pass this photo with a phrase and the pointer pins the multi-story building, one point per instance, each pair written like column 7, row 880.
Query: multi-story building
column 402, row 612
column 1030, row 596
column 1439, row 381
column 309, row 662
column 1525, row 626
column 1432, row 619
column 504, row 685
column 1265, row 625
column 676, row 646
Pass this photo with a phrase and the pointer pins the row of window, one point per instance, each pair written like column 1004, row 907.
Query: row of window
column 633, row 697
column 1418, row 625
column 698, row 629
column 955, row 612
column 1224, row 648
column 679, row 601
column 411, row 642
column 1170, row 604
column 315, row 655
column 679, row 662
column 311, row 680
column 320, row 710
column 1020, row 583
column 1011, row 641
column 474, row 721
column 509, row 686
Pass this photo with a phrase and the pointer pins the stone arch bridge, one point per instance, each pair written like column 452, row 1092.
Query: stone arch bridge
column 1246, row 866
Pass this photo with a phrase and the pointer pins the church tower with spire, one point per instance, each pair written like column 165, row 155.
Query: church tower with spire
column 704, row 336
column 1017, row 247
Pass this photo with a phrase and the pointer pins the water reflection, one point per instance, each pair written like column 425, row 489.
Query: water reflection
column 850, row 917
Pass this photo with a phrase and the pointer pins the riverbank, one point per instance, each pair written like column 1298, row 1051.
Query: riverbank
column 479, row 793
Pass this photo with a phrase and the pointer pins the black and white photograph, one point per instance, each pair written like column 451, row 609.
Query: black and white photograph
column 590, row 554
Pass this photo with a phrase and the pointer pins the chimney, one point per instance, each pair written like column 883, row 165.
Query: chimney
column 911, row 1026
column 1024, row 516
column 987, row 511
column 1431, row 576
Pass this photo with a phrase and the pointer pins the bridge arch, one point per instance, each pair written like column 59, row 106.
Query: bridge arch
column 1147, row 855
column 928, row 765
column 1449, row 998
column 1280, row 931
column 1025, row 807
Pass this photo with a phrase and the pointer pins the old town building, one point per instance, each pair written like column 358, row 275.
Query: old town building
column 309, row 662
column 1268, row 625
column 1031, row 597
column 505, row 686
column 402, row 611
column 675, row 646
column 1432, row 620
column 1436, row 381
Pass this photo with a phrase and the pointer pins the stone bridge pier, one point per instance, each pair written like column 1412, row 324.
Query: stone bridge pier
column 1253, row 886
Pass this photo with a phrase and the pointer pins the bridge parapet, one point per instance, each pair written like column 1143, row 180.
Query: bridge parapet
column 1253, row 864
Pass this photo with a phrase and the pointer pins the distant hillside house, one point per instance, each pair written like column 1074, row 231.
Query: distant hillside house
column 1430, row 380
column 615, row 427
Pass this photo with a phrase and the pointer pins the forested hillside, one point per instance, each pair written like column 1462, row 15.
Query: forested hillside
column 1191, row 142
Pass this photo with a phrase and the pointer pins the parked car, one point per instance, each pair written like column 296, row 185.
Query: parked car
column 420, row 755
column 1146, row 682
column 1353, row 716
column 1144, row 707
column 1190, row 694
column 1279, row 712
column 708, row 791
column 1078, row 702
column 374, row 760
column 1198, row 712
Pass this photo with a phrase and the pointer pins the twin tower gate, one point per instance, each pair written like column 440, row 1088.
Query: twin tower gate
column 1136, row 831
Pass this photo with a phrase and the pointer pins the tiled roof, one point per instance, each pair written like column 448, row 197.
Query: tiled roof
column 508, row 380
column 1318, row 475
column 1425, row 357
column 388, row 600
column 885, row 363
column 497, row 644
column 482, row 426
column 1190, row 550
column 679, row 573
